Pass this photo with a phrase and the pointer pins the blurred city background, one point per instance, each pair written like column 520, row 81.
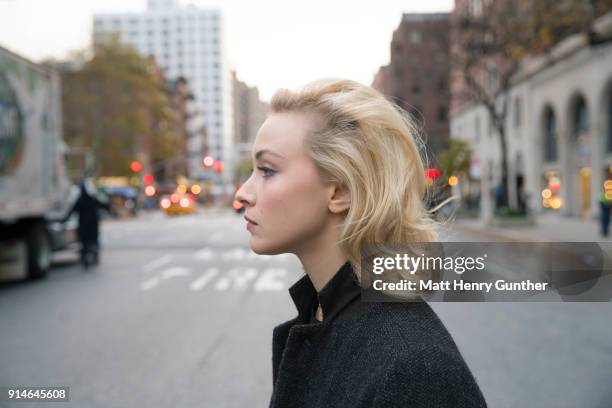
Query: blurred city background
column 121, row 150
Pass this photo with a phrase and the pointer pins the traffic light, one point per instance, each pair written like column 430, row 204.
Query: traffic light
column 432, row 173
column 218, row 166
column 135, row 166
column 148, row 178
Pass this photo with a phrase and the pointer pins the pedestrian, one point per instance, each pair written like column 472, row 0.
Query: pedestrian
column 87, row 206
column 605, row 202
column 336, row 166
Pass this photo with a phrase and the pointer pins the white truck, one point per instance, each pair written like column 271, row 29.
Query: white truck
column 34, row 186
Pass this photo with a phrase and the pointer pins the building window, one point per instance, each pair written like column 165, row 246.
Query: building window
column 581, row 120
column 550, row 136
column 517, row 112
column 442, row 114
column 581, row 138
column 609, row 144
column 441, row 85
column 415, row 37
column 475, row 8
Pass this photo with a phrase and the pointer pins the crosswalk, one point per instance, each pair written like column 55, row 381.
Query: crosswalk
column 242, row 270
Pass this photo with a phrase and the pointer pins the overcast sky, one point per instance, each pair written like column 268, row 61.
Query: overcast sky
column 271, row 43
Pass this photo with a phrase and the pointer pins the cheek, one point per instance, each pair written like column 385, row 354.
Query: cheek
column 294, row 201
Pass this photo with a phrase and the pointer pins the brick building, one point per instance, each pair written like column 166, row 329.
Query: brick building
column 417, row 76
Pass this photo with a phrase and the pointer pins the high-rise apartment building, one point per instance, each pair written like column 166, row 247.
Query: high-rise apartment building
column 186, row 42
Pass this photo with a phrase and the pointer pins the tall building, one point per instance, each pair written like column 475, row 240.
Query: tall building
column 187, row 42
column 417, row 76
column 249, row 114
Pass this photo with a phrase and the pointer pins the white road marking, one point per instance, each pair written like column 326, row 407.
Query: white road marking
column 237, row 277
column 204, row 254
column 236, row 254
column 242, row 276
column 175, row 272
column 149, row 283
column 169, row 273
column 166, row 259
column 199, row 283
column 271, row 279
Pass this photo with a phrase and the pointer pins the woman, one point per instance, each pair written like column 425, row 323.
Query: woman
column 337, row 166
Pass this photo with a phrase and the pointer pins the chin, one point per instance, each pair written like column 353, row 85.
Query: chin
column 266, row 249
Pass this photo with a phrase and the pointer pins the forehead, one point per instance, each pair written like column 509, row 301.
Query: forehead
column 284, row 132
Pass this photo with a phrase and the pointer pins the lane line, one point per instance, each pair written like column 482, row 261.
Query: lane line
column 199, row 283
column 164, row 260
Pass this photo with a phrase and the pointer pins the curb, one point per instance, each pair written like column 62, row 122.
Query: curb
column 496, row 233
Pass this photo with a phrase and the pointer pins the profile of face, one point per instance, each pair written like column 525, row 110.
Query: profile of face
column 285, row 194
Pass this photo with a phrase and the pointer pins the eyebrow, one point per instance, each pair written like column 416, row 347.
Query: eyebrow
column 264, row 151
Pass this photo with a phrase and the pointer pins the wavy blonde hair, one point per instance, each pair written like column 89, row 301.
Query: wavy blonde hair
column 370, row 145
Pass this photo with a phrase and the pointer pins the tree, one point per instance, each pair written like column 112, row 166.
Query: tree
column 493, row 39
column 116, row 105
column 456, row 159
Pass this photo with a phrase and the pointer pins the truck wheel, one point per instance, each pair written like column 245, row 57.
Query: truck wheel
column 39, row 251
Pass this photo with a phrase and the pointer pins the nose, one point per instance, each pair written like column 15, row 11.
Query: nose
column 244, row 195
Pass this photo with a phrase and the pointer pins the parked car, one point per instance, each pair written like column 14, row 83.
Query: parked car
column 178, row 204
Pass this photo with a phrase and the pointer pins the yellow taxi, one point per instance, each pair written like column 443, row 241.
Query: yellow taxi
column 178, row 204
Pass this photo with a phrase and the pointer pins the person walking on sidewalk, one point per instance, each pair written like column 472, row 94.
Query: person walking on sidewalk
column 605, row 202
column 336, row 166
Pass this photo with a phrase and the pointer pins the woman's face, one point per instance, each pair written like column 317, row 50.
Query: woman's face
column 284, row 194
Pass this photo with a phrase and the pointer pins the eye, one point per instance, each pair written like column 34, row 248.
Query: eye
column 266, row 171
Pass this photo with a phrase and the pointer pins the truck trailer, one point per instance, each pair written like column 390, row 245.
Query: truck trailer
column 34, row 186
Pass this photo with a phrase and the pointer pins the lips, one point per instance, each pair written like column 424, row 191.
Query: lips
column 250, row 220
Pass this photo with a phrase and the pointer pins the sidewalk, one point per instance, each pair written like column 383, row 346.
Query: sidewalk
column 547, row 229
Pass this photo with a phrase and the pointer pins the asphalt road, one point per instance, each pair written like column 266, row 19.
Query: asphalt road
column 180, row 314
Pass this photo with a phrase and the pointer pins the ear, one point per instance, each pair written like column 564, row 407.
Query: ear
column 340, row 198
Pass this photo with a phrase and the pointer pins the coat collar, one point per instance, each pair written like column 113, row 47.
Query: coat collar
column 340, row 290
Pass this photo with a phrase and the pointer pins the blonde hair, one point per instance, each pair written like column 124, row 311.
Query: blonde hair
column 370, row 145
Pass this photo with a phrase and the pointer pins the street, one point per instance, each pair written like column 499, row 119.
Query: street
column 180, row 314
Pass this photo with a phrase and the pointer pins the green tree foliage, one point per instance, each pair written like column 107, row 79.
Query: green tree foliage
column 116, row 105
column 456, row 159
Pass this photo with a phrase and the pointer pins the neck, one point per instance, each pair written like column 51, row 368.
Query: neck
column 322, row 259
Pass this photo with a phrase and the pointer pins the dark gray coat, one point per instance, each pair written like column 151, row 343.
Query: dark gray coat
column 366, row 354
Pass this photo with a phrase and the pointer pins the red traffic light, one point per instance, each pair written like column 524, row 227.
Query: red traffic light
column 148, row 178
column 136, row 166
column 432, row 173
column 218, row 166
